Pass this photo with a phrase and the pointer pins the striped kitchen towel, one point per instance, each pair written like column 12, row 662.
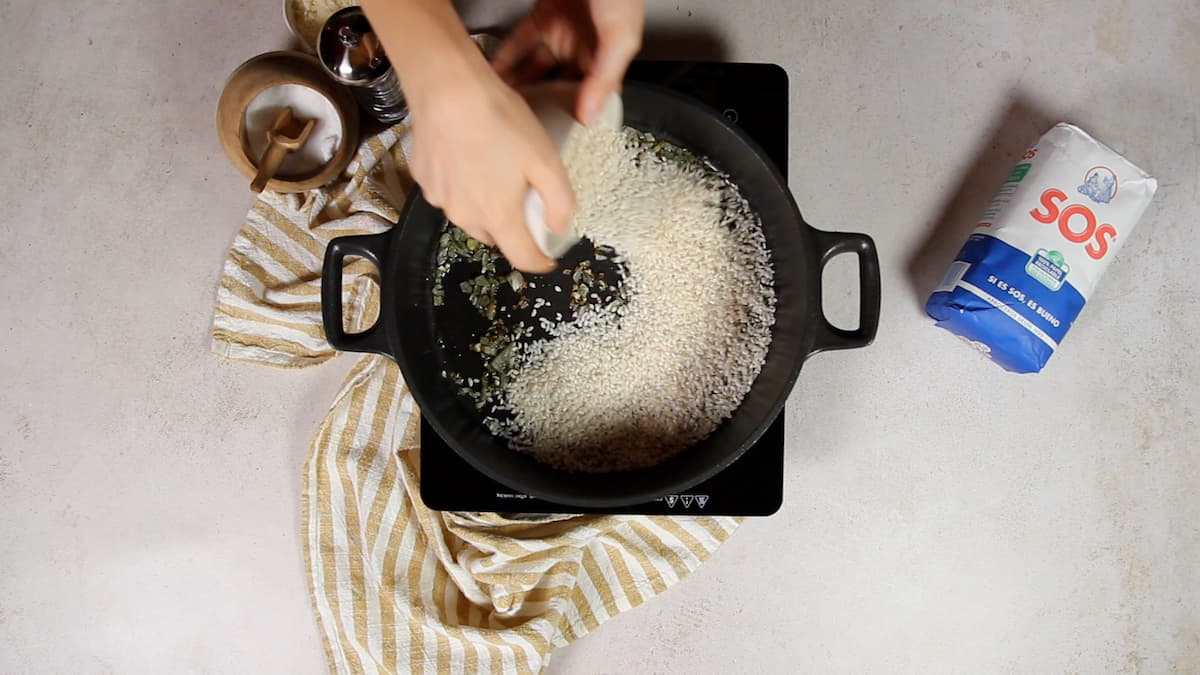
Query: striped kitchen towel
column 398, row 587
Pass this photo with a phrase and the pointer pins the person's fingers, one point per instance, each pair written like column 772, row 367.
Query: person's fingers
column 481, row 235
column 604, row 79
column 549, row 178
column 618, row 38
column 515, row 48
column 514, row 241
column 539, row 62
column 592, row 94
column 474, row 232
column 466, row 220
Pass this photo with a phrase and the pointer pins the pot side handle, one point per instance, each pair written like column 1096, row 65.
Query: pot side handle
column 828, row 336
column 370, row 247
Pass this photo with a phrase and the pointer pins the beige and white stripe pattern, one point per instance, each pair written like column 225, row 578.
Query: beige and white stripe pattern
column 397, row 587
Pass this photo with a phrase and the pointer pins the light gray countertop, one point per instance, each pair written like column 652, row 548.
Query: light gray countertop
column 940, row 514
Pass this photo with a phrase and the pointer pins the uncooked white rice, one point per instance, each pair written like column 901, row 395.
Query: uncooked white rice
column 632, row 383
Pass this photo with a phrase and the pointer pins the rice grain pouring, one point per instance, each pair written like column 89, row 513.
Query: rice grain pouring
column 1040, row 248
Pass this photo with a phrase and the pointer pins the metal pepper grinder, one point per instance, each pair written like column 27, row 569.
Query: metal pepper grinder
column 353, row 55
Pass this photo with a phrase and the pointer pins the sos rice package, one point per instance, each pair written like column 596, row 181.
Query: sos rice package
column 1040, row 248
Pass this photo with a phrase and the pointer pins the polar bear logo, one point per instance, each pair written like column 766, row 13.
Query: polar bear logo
column 1099, row 184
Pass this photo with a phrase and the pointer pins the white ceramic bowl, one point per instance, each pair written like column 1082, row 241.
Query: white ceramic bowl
column 553, row 103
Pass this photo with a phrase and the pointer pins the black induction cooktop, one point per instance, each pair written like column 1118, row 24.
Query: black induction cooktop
column 753, row 96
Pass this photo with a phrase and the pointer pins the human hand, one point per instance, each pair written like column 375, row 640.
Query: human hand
column 597, row 37
column 477, row 149
column 477, row 146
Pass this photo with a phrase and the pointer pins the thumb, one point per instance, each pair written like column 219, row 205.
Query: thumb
column 608, row 69
column 522, row 41
column 592, row 94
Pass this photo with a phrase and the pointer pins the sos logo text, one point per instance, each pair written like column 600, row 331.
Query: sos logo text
column 1076, row 222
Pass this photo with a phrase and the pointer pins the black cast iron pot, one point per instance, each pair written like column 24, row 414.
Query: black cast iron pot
column 406, row 330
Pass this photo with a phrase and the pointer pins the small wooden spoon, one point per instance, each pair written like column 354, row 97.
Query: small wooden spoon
column 286, row 134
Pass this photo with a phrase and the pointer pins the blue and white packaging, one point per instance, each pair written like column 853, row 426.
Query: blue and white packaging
column 1042, row 245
